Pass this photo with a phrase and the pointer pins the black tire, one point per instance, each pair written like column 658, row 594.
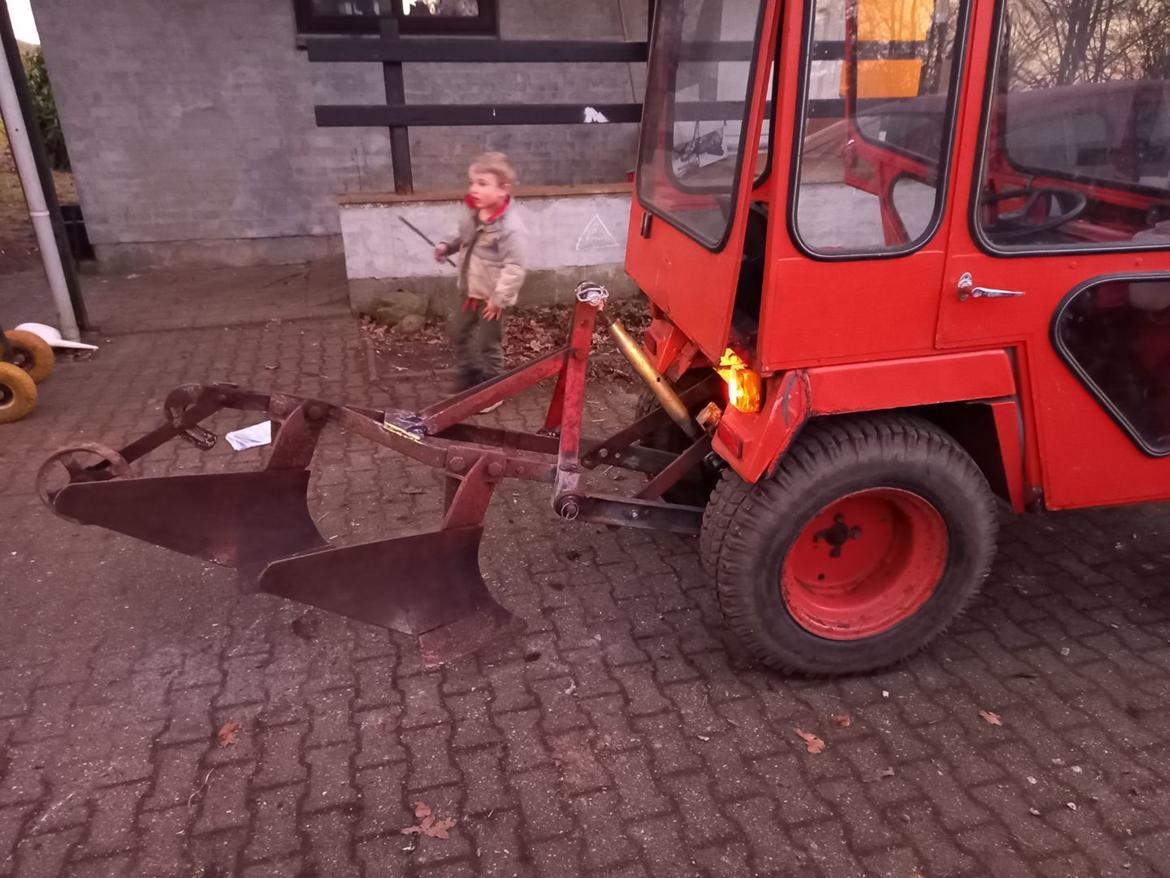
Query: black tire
column 33, row 353
column 749, row 532
column 18, row 393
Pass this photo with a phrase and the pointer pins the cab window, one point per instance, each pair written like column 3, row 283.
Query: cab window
column 1077, row 136
column 880, row 81
column 702, row 63
column 1115, row 335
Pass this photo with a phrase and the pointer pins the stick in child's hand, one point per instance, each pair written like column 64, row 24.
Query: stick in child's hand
column 419, row 232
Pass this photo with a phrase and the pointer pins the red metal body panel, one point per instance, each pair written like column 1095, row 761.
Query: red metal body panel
column 1079, row 456
column 896, row 384
column 753, row 443
column 854, row 334
column 692, row 285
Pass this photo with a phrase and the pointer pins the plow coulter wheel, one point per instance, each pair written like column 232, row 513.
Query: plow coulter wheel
column 869, row 539
column 18, row 393
column 32, row 353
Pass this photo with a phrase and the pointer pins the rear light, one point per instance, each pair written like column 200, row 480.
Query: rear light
column 743, row 385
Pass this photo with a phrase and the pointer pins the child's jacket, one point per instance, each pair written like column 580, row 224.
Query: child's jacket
column 491, row 255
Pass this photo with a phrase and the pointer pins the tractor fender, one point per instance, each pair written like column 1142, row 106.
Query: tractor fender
column 752, row 443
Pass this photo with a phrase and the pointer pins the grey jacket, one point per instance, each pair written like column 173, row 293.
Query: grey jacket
column 491, row 256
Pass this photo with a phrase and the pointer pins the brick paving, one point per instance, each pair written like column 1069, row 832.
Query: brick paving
column 624, row 735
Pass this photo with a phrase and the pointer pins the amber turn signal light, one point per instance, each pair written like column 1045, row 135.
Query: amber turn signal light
column 743, row 385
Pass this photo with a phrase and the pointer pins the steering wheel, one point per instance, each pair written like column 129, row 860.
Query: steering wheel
column 1018, row 224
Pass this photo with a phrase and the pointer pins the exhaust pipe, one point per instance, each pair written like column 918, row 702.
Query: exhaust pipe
column 659, row 386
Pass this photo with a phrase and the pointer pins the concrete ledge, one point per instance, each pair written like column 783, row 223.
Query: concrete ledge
column 226, row 253
column 575, row 233
column 456, row 195
column 546, row 287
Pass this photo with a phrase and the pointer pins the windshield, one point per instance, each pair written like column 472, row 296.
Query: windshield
column 1078, row 151
column 700, row 79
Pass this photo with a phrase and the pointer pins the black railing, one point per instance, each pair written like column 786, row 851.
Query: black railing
column 392, row 51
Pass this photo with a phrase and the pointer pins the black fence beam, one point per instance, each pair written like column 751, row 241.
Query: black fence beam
column 417, row 50
column 379, row 116
column 395, row 87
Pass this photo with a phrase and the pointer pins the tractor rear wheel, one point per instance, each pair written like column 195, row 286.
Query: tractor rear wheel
column 33, row 353
column 868, row 540
column 18, row 393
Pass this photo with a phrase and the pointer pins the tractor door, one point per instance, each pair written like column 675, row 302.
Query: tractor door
column 1062, row 249
column 705, row 105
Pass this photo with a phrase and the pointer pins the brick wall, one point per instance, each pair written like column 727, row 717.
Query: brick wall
column 190, row 122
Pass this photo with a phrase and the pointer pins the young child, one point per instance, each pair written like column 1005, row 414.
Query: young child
column 490, row 243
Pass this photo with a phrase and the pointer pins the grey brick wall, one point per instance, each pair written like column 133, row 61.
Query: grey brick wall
column 190, row 122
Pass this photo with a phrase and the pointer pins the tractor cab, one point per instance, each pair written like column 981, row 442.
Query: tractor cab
column 862, row 183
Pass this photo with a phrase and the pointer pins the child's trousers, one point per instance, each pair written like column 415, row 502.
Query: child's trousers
column 479, row 351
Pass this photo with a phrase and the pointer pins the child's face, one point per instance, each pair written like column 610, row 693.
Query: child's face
column 485, row 189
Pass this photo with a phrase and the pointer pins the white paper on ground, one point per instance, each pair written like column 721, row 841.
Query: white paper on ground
column 250, row 437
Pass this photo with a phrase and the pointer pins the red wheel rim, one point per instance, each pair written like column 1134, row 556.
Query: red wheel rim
column 864, row 564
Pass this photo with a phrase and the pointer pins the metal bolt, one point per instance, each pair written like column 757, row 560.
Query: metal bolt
column 495, row 469
column 603, row 453
column 457, row 465
column 315, row 412
column 635, row 514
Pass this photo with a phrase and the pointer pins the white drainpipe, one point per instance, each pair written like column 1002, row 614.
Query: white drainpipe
column 38, row 210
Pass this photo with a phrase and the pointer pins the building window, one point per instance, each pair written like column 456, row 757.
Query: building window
column 413, row 16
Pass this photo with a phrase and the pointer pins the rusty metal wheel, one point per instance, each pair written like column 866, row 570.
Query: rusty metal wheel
column 870, row 538
column 31, row 353
column 18, row 393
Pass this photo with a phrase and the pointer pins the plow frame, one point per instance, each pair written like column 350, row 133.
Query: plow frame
column 258, row 522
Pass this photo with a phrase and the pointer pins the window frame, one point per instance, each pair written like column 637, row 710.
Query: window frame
column 1085, row 379
column 946, row 155
column 979, row 178
column 753, row 73
column 310, row 23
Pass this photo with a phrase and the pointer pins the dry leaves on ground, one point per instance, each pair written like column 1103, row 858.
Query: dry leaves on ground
column 228, row 734
column 427, row 824
column 814, row 743
column 992, row 719
column 844, row 720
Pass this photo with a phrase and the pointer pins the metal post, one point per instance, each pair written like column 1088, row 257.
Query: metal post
column 399, row 134
column 16, row 67
column 34, row 193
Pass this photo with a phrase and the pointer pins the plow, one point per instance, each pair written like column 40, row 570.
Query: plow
column 427, row 585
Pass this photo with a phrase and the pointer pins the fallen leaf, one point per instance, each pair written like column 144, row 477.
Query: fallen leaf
column 844, row 720
column 814, row 744
column 427, row 824
column 991, row 718
column 227, row 735
column 1034, row 812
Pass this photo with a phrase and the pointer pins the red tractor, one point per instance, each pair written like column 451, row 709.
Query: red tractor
column 907, row 259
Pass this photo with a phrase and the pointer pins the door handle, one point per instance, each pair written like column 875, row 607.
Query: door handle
column 968, row 290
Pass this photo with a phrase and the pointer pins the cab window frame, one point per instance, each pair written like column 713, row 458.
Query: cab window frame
column 1083, row 377
column 669, row 120
column 947, row 150
column 979, row 178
